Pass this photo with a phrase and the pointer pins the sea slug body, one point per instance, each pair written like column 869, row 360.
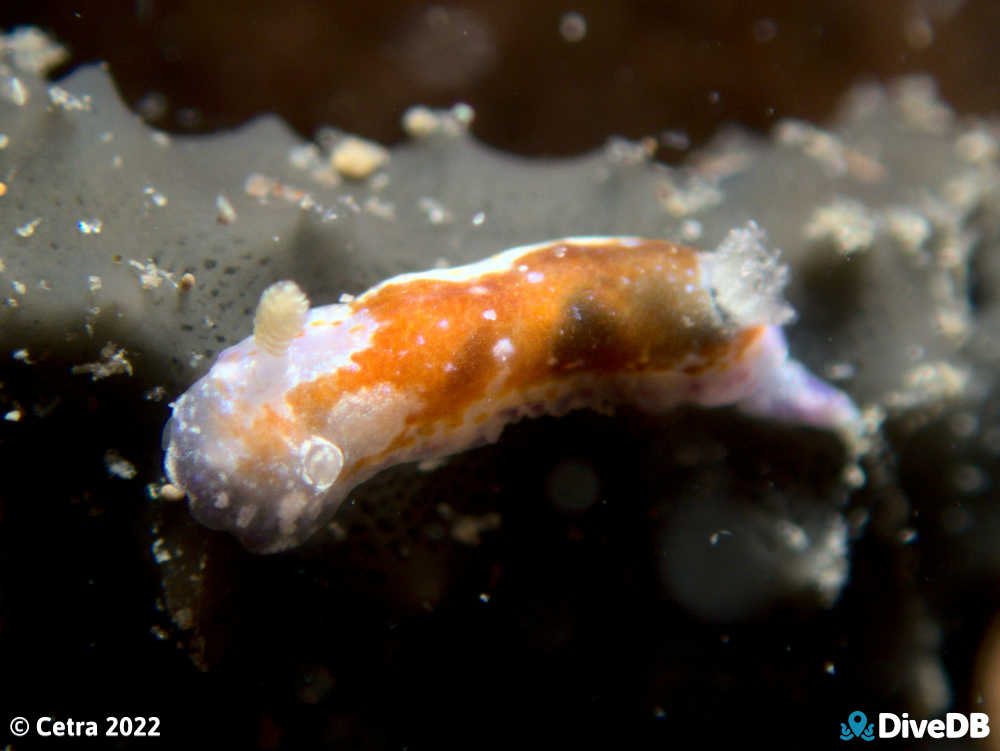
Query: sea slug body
column 271, row 441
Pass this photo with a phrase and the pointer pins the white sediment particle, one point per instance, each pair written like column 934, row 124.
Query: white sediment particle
column 380, row 208
column 155, row 394
column 839, row 371
column 929, row 383
column 159, row 550
column 4, row 141
column 908, row 535
column 19, row 287
column 908, row 227
column 94, row 283
column 106, row 137
column 170, row 492
column 118, row 466
column 23, row 356
column 349, row 202
column 977, row 145
column 815, row 143
column 32, row 50
column 468, row 530
column 421, row 122
column 113, row 362
column 715, row 537
column 845, row 223
column 952, row 323
column 91, row 317
column 478, row 219
column 15, row 91
column 691, row 229
column 357, row 158
column 835, row 157
column 345, row 297
column 694, row 195
column 304, row 157
column 151, row 276
column 195, row 359
column 258, row 185
column 433, row 465
column 307, row 159
column 715, row 166
column 160, row 138
column 436, row 213
column 67, row 101
column 792, row 535
column 224, row 211
column 917, row 100
column 156, row 197
column 13, row 416
column 184, row 617
column 28, row 229
column 463, row 114
column 630, row 153
column 90, row 226
column 261, row 187
column 490, row 315
column 3, row 266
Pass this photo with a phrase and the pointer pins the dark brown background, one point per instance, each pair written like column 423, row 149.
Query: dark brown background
column 642, row 67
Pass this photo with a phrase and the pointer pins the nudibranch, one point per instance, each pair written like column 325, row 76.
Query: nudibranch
column 286, row 423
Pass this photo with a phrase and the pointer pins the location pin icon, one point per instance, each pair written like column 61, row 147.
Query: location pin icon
column 857, row 721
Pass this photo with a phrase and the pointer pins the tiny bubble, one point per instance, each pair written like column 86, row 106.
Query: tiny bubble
column 573, row 27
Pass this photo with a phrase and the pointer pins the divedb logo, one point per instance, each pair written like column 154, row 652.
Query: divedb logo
column 954, row 725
